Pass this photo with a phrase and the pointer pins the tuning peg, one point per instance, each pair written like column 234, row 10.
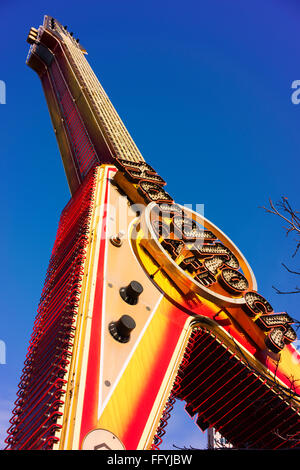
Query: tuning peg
column 131, row 293
column 121, row 329
column 32, row 36
column 117, row 240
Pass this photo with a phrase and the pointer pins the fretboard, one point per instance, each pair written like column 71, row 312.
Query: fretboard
column 105, row 113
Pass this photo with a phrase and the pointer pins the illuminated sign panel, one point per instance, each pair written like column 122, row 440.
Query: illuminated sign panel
column 197, row 256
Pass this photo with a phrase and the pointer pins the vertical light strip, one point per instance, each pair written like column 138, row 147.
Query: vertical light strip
column 87, row 310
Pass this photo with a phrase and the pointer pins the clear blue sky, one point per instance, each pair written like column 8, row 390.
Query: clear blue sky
column 205, row 90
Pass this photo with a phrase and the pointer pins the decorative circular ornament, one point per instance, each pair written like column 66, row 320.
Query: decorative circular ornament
column 196, row 254
column 101, row 439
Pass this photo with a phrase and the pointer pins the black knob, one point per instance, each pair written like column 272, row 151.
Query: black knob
column 132, row 292
column 122, row 328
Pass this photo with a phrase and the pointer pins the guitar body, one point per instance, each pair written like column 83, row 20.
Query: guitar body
column 119, row 390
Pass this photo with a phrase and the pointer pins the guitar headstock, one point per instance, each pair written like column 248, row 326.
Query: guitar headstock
column 55, row 28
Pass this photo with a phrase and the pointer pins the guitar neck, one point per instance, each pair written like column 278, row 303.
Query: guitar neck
column 88, row 129
column 105, row 113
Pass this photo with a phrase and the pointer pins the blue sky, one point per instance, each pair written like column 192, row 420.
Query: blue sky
column 204, row 88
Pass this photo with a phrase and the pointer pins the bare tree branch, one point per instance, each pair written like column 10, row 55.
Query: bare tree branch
column 292, row 218
column 289, row 437
column 284, row 210
column 278, row 291
column 289, row 270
